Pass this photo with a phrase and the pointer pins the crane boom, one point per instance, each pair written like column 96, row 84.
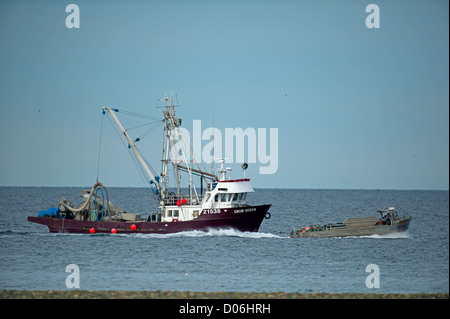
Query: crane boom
column 133, row 148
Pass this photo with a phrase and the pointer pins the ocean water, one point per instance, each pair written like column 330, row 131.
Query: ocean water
column 413, row 262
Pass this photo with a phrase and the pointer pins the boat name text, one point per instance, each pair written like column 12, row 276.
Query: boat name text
column 246, row 210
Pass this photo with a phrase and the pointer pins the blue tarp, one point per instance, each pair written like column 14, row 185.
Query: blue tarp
column 51, row 212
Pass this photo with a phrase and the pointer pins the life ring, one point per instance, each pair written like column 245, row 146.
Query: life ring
column 267, row 215
column 175, row 220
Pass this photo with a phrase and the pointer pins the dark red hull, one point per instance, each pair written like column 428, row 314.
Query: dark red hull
column 243, row 219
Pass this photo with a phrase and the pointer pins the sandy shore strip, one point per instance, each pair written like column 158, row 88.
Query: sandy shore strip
column 158, row 294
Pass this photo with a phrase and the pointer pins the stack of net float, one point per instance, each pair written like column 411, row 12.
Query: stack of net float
column 113, row 230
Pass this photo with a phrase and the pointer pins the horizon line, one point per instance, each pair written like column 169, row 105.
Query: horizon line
column 277, row 188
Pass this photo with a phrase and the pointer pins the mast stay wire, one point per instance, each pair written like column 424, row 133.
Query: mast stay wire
column 100, row 146
column 139, row 168
column 156, row 122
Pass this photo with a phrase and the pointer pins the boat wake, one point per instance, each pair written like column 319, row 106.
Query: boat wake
column 193, row 233
column 399, row 235
column 211, row 233
column 402, row 235
column 10, row 232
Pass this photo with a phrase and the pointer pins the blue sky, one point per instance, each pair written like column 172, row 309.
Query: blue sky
column 355, row 108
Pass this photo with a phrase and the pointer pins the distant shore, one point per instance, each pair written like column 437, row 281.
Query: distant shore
column 159, row 294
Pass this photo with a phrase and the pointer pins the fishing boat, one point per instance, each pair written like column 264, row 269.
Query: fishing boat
column 221, row 204
column 393, row 219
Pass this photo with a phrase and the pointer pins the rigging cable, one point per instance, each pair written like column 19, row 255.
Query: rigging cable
column 100, row 145
column 138, row 115
column 138, row 166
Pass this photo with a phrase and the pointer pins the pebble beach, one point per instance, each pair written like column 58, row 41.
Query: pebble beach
column 159, row 294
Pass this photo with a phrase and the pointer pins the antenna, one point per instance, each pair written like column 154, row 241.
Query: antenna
column 167, row 101
column 222, row 170
column 213, row 166
column 244, row 167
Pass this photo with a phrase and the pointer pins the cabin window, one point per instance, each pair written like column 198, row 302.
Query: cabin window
column 230, row 196
column 235, row 196
column 169, row 213
column 175, row 213
column 216, row 198
column 207, row 197
column 244, row 196
column 240, row 196
column 223, row 197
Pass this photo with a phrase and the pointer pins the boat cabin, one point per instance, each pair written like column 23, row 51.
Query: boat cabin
column 227, row 193
column 389, row 215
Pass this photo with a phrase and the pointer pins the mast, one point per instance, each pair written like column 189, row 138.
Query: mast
column 177, row 156
column 133, row 147
column 171, row 123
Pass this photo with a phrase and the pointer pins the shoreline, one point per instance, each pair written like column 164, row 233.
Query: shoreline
column 159, row 294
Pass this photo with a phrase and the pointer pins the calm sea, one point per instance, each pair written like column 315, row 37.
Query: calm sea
column 413, row 262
